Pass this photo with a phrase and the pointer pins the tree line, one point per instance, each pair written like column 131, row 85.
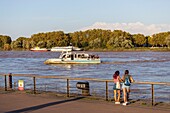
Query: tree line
column 89, row 39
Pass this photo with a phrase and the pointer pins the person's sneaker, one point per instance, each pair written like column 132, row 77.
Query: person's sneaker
column 124, row 104
column 117, row 102
column 127, row 103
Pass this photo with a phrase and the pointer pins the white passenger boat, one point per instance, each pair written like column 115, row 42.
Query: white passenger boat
column 74, row 58
column 77, row 49
column 66, row 48
column 38, row 49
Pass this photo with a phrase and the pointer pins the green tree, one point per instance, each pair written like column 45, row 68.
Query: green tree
column 167, row 40
column 15, row 44
column 26, row 44
column 41, row 44
column 127, row 44
column 50, row 44
column 139, row 40
column 110, row 43
column 4, row 40
column 7, row 47
column 32, row 44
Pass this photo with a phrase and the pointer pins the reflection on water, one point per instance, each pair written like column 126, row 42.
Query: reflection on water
column 144, row 66
column 67, row 66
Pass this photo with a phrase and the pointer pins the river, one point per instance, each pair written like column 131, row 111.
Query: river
column 143, row 66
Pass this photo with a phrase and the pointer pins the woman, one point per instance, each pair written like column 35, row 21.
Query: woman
column 127, row 80
column 116, row 87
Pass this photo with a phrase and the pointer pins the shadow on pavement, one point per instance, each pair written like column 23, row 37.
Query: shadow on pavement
column 43, row 105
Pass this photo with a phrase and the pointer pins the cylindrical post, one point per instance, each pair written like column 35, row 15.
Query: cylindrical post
column 34, row 85
column 68, row 93
column 10, row 81
column 106, row 90
column 152, row 94
column 5, row 84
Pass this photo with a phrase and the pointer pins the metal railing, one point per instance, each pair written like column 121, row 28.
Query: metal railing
column 68, row 79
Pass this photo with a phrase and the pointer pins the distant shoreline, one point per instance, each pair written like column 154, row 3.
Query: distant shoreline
column 142, row 49
column 133, row 50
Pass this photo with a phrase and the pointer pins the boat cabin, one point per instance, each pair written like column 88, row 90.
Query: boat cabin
column 73, row 56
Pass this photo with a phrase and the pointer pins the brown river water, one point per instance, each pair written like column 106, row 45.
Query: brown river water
column 143, row 66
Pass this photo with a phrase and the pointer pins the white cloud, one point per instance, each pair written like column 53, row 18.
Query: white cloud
column 132, row 28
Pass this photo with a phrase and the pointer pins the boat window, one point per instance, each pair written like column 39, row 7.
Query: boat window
column 64, row 56
column 82, row 56
column 68, row 56
column 72, row 57
column 92, row 56
column 79, row 56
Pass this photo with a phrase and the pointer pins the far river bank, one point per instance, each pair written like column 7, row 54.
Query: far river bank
column 137, row 49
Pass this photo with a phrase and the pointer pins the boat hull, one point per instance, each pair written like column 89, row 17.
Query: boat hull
column 60, row 49
column 66, row 48
column 60, row 61
column 37, row 49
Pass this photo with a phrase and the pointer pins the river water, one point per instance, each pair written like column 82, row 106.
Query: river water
column 143, row 66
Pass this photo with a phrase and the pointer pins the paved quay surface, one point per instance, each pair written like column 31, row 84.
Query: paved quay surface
column 25, row 103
